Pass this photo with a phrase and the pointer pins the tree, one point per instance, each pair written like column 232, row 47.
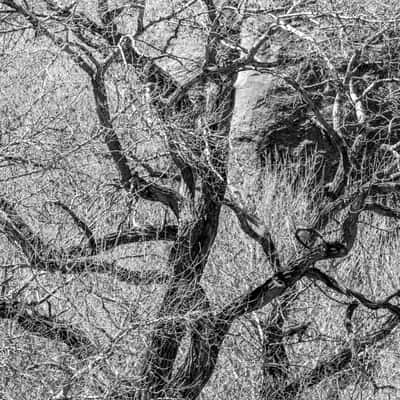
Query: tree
column 120, row 149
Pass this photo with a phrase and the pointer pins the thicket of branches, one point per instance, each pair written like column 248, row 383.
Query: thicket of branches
column 135, row 251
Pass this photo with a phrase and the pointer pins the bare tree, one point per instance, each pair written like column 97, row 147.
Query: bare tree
column 149, row 169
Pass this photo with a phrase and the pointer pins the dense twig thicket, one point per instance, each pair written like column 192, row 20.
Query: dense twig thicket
column 120, row 167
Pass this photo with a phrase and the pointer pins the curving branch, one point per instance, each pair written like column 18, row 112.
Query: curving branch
column 211, row 10
column 126, row 275
column 333, row 284
column 95, row 70
column 101, row 267
column 43, row 257
column 337, row 364
column 48, row 327
column 107, row 15
column 275, row 360
column 209, row 331
column 254, row 228
column 145, row 233
column 80, row 223
column 74, row 50
column 131, row 181
column 277, row 285
column 19, row 232
column 383, row 210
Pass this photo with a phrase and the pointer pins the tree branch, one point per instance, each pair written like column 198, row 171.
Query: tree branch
column 48, row 327
column 333, row 284
column 253, row 227
column 110, row 241
column 338, row 362
column 211, row 9
column 44, row 258
column 209, row 331
column 383, row 210
column 132, row 182
column 18, row 231
column 80, row 223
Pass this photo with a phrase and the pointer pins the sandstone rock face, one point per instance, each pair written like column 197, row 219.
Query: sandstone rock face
column 271, row 120
column 251, row 88
column 251, row 117
column 247, row 122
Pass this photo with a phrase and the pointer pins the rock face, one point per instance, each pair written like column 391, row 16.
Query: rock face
column 271, row 121
column 248, row 121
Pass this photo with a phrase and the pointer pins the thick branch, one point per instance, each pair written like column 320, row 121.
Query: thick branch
column 81, row 224
column 209, row 331
column 101, row 267
column 211, row 9
column 338, row 363
column 48, row 327
column 199, row 228
column 110, row 241
column 19, row 232
column 131, row 181
column 383, row 210
column 277, row 285
column 333, row 284
column 67, row 47
column 147, row 277
column 43, row 258
column 178, row 147
column 253, row 227
column 147, row 190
